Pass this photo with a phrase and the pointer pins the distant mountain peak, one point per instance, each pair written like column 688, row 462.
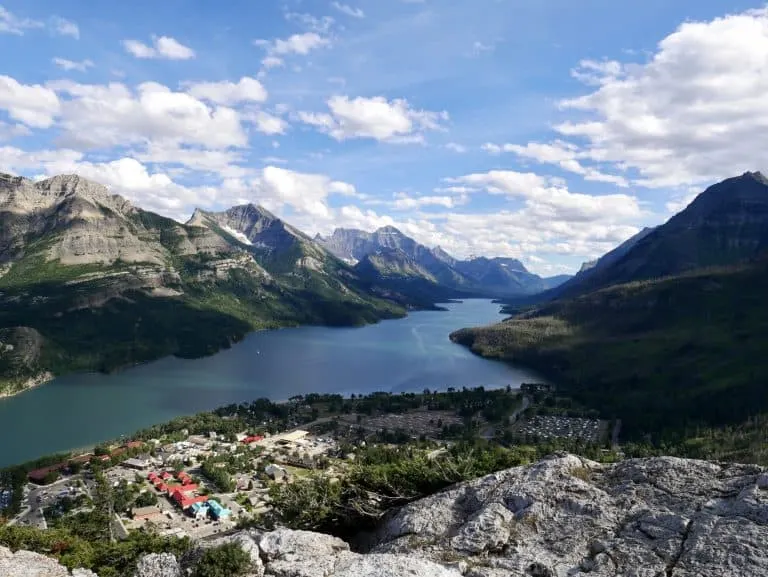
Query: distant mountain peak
column 757, row 175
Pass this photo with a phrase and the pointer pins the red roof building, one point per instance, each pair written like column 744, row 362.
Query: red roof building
column 134, row 445
column 185, row 501
column 252, row 439
column 165, row 475
column 152, row 477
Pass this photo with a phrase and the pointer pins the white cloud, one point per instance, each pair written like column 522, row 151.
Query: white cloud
column 163, row 47
column 31, row 104
column 12, row 24
column 64, row 27
column 104, row 116
column 68, row 65
column 545, row 198
column 225, row 163
column 693, row 113
column 403, row 201
column 228, row 93
column 126, row 176
column 295, row 44
column 377, row 118
column 10, row 131
column 348, row 10
column 312, row 23
column 563, row 154
column 266, row 123
column 456, row 147
column 271, row 62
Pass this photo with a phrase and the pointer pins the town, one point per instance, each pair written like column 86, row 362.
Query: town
column 206, row 475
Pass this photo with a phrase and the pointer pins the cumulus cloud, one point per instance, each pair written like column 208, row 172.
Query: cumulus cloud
column 692, row 114
column 81, row 66
column 228, row 93
column 266, row 123
column 560, row 153
column 104, row 116
column 546, row 198
column 32, row 104
column 12, row 24
column 163, row 47
column 376, row 118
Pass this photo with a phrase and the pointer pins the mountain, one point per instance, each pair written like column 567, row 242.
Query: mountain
column 725, row 224
column 666, row 331
column 481, row 276
column 90, row 282
column 592, row 269
column 666, row 355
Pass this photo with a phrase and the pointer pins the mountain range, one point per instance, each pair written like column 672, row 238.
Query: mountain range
column 388, row 256
column 89, row 281
column 668, row 331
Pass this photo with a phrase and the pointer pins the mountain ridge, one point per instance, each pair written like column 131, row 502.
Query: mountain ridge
column 78, row 265
column 482, row 276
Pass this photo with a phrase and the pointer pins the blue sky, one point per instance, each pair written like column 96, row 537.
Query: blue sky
column 548, row 130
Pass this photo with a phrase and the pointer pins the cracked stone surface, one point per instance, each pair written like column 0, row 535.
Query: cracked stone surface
column 564, row 516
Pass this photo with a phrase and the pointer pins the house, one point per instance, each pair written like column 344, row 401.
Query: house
column 277, row 472
column 147, row 513
column 185, row 500
column 165, row 475
column 218, row 511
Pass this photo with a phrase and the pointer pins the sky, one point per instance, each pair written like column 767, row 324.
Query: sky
column 549, row 131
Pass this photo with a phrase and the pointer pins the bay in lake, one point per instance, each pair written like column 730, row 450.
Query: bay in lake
column 409, row 354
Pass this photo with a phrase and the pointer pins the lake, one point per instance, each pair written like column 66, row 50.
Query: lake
column 408, row 354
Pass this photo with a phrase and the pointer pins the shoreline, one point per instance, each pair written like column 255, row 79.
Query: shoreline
column 29, row 384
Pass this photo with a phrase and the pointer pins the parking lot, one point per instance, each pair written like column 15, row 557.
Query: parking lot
column 552, row 427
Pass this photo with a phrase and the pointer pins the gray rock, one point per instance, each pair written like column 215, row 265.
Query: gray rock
column 385, row 565
column 28, row 564
column 634, row 518
column 158, row 565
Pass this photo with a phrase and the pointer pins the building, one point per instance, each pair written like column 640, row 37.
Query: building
column 138, row 464
column 199, row 510
column 218, row 511
column 291, row 437
column 185, row 500
column 251, row 439
column 277, row 472
column 147, row 513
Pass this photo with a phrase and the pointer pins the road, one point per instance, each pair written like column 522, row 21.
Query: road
column 490, row 431
column 32, row 514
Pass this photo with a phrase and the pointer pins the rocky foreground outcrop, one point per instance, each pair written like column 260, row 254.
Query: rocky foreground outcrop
column 564, row 516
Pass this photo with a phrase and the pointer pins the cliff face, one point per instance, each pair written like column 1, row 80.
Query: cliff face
column 564, row 516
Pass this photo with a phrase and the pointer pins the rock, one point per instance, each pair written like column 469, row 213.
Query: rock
column 83, row 573
column 637, row 517
column 489, row 528
column 385, row 565
column 158, row 565
column 28, row 564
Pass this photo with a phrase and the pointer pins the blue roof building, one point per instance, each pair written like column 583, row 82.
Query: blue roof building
column 218, row 510
column 200, row 509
